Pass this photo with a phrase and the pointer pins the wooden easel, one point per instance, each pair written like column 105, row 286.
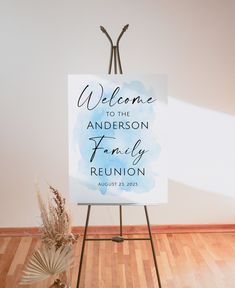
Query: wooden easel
column 115, row 56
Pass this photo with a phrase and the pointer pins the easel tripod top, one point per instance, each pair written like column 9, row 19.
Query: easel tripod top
column 115, row 54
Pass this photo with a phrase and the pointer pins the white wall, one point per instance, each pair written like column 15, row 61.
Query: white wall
column 190, row 40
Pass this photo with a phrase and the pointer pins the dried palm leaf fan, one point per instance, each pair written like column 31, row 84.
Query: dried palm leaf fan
column 47, row 262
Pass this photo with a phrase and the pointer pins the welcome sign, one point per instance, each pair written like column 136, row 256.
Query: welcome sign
column 117, row 139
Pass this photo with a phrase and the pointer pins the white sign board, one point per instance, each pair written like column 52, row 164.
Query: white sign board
column 117, row 139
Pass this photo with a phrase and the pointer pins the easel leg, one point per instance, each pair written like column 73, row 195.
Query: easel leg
column 83, row 245
column 152, row 245
column 115, row 59
column 120, row 214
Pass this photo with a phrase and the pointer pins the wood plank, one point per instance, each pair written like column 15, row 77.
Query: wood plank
column 6, row 261
column 20, row 255
column 3, row 244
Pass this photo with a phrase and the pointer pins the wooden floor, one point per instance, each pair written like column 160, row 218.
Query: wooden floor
column 197, row 260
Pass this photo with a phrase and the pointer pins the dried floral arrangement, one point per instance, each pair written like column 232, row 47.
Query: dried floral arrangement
column 56, row 254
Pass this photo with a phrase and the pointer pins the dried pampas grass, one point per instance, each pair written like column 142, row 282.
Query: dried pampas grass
column 56, row 224
column 47, row 262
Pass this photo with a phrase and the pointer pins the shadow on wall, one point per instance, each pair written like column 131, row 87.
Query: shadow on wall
column 201, row 148
column 201, row 166
column 184, row 200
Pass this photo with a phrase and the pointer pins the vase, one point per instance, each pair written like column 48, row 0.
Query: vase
column 63, row 281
